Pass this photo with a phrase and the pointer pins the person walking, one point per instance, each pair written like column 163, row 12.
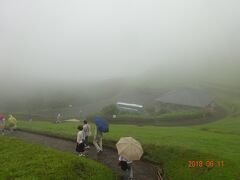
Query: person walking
column 87, row 133
column 80, row 141
column 2, row 124
column 58, row 118
column 129, row 150
column 97, row 140
column 127, row 167
column 12, row 122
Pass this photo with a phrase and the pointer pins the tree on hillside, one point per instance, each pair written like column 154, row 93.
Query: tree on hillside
column 110, row 110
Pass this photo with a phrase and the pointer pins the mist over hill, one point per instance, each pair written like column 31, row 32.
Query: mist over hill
column 141, row 88
column 53, row 54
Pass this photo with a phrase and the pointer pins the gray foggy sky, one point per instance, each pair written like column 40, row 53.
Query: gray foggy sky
column 91, row 39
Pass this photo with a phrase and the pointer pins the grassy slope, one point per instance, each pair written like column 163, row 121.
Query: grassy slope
column 172, row 147
column 21, row 160
column 175, row 146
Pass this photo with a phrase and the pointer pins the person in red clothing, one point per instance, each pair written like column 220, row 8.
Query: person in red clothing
column 2, row 124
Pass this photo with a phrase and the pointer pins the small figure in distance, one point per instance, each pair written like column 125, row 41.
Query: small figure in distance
column 30, row 118
column 12, row 123
column 2, row 124
column 58, row 118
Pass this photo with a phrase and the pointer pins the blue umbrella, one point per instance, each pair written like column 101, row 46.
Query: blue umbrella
column 101, row 124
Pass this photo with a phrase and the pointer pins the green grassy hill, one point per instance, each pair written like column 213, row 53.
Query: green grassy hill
column 173, row 147
column 22, row 160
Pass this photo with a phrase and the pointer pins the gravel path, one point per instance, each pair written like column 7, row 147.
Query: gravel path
column 142, row 170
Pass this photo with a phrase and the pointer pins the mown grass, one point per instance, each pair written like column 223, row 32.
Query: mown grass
column 171, row 147
column 163, row 117
column 151, row 119
column 22, row 160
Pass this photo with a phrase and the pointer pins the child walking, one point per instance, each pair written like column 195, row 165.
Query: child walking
column 80, row 141
column 127, row 167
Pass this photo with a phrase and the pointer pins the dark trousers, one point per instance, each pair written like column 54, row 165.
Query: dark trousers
column 86, row 141
column 80, row 147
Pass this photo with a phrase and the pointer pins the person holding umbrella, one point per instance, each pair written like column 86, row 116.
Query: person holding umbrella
column 101, row 127
column 125, row 164
column 129, row 150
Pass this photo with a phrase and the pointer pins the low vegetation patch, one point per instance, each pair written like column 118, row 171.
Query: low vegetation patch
column 171, row 147
column 146, row 119
column 21, row 160
column 174, row 147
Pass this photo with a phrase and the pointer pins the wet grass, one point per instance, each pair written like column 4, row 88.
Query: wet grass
column 21, row 160
column 171, row 147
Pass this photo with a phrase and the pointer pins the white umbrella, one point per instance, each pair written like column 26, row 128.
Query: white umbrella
column 129, row 148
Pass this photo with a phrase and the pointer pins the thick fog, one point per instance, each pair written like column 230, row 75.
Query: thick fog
column 78, row 40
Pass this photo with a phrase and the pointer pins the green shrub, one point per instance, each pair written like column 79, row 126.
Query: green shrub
column 21, row 160
column 110, row 110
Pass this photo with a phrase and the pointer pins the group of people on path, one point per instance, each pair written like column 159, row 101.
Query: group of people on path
column 84, row 131
column 83, row 134
column 10, row 125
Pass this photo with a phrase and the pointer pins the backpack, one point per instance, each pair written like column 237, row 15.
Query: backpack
column 124, row 165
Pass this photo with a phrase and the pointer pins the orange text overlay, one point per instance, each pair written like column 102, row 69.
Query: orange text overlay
column 205, row 163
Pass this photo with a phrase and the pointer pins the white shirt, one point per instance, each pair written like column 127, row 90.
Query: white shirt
column 80, row 137
column 123, row 159
column 86, row 130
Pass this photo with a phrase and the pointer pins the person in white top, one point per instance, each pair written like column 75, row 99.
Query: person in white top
column 87, row 133
column 80, row 141
column 58, row 118
column 123, row 159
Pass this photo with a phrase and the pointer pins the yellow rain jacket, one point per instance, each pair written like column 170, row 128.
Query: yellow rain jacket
column 12, row 121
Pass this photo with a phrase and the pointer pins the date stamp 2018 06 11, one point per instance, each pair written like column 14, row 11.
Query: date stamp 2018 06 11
column 206, row 163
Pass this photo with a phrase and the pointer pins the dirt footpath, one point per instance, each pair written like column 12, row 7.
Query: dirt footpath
column 109, row 157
